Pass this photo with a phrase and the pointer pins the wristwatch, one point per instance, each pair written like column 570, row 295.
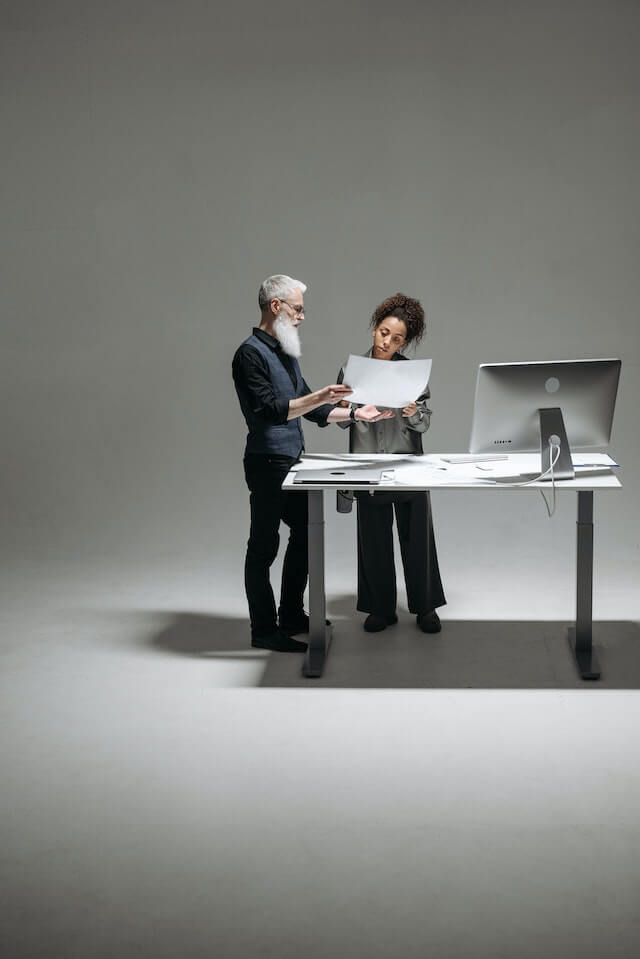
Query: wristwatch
column 352, row 414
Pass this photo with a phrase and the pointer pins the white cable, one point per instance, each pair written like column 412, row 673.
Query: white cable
column 551, row 509
column 537, row 479
column 555, row 449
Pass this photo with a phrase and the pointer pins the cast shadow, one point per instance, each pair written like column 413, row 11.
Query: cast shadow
column 465, row 655
column 203, row 635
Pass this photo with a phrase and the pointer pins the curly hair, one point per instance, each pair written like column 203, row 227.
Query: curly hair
column 404, row 308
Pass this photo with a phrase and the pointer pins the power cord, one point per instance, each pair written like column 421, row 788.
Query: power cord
column 554, row 456
column 552, row 462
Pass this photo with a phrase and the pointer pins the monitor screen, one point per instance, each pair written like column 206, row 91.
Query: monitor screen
column 509, row 396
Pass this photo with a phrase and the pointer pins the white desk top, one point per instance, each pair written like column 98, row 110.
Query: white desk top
column 430, row 471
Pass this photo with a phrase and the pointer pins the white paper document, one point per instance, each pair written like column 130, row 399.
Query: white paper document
column 385, row 383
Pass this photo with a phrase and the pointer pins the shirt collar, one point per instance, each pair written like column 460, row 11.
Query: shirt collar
column 396, row 356
column 267, row 338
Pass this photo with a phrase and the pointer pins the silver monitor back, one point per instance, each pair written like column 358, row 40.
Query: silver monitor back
column 509, row 396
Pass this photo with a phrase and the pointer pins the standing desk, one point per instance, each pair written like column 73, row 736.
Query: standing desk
column 431, row 472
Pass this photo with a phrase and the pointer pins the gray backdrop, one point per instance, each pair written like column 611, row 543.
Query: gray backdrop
column 166, row 792
column 160, row 158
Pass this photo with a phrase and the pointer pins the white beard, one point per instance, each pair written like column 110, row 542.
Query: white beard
column 287, row 335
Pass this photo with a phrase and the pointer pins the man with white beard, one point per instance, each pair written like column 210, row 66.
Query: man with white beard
column 273, row 396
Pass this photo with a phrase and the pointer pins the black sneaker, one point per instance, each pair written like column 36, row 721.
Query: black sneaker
column 298, row 625
column 279, row 642
column 429, row 622
column 375, row 624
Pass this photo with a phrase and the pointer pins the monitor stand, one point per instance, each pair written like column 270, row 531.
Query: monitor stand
column 552, row 429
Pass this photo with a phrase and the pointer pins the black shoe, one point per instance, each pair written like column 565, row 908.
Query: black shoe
column 298, row 625
column 429, row 622
column 279, row 642
column 375, row 624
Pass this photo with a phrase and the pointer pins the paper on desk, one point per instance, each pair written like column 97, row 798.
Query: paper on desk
column 385, row 383
column 428, row 473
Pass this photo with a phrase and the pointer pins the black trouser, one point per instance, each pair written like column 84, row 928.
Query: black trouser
column 270, row 506
column 376, row 568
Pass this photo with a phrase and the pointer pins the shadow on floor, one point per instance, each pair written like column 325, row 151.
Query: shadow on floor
column 465, row 655
column 203, row 635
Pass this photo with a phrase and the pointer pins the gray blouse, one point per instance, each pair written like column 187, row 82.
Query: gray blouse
column 401, row 434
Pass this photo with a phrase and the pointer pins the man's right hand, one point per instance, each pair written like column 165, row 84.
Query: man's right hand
column 334, row 393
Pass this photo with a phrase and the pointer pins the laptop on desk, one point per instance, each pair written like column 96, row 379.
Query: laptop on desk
column 365, row 476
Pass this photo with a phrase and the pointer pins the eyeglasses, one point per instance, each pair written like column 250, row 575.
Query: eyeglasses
column 295, row 307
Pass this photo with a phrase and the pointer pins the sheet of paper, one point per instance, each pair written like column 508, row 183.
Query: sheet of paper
column 422, row 473
column 385, row 383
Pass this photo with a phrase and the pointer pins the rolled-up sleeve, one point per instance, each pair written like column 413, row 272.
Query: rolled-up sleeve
column 320, row 414
column 251, row 376
column 421, row 420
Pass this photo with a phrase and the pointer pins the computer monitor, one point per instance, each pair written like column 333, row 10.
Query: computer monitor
column 522, row 407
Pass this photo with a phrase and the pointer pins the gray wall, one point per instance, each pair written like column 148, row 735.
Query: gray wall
column 159, row 159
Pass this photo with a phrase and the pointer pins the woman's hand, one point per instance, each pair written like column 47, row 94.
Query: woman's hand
column 371, row 414
column 410, row 410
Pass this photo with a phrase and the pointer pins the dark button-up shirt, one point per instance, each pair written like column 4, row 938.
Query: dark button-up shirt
column 252, row 380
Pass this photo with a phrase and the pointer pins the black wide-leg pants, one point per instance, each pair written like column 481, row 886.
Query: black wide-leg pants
column 377, row 592
column 269, row 507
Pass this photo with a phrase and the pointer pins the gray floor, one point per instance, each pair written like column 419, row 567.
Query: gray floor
column 168, row 792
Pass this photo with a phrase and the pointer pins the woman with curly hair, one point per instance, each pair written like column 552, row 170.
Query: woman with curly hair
column 396, row 322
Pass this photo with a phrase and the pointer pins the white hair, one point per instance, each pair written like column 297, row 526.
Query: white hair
column 280, row 286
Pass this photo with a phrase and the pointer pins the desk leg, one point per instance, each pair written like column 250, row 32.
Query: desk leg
column 319, row 632
column 581, row 636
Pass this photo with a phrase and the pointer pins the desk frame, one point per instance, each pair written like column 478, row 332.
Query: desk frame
column 580, row 635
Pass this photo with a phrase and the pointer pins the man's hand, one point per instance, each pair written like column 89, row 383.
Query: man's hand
column 310, row 401
column 371, row 414
column 334, row 393
column 410, row 410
